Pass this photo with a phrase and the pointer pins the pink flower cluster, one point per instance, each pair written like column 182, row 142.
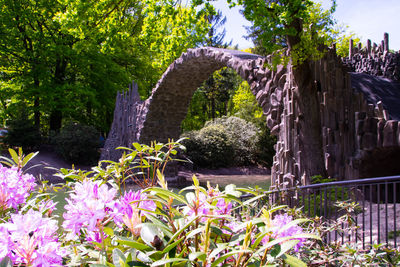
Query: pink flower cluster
column 130, row 209
column 15, row 187
column 31, row 239
column 88, row 208
column 278, row 223
column 206, row 206
column 91, row 206
column 211, row 204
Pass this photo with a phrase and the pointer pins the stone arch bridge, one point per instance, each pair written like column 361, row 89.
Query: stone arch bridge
column 357, row 124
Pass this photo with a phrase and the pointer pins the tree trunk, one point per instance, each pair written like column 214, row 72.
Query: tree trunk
column 36, row 112
column 55, row 120
column 36, row 105
column 56, row 114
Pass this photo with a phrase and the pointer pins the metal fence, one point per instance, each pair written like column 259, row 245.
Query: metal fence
column 374, row 220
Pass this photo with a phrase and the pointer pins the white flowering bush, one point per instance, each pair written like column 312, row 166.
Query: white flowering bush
column 104, row 225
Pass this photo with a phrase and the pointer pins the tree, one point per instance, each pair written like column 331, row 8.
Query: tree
column 212, row 99
column 66, row 60
column 215, row 38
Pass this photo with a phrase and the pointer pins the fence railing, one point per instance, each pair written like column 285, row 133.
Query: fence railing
column 375, row 220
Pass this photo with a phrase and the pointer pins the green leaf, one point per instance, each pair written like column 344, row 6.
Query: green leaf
column 294, row 262
column 230, row 189
column 13, row 155
column 133, row 244
column 28, row 158
column 275, row 250
column 161, row 225
column 227, row 255
column 182, row 229
column 109, row 231
column 249, row 201
column 197, row 255
column 166, row 261
column 167, row 193
column 171, row 246
column 194, row 232
column 284, row 247
column 218, row 250
column 137, row 146
column 118, row 258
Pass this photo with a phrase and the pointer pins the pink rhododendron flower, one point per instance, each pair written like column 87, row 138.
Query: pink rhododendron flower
column 15, row 187
column 31, row 240
column 222, row 207
column 130, row 209
column 88, row 206
column 279, row 223
column 5, row 241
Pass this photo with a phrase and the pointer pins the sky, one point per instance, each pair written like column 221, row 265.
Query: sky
column 368, row 19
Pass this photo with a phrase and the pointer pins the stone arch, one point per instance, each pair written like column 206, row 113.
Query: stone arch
column 167, row 106
column 350, row 124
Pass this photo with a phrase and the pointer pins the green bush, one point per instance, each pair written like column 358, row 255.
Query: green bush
column 22, row 133
column 78, row 143
column 223, row 142
column 209, row 147
column 265, row 150
column 242, row 134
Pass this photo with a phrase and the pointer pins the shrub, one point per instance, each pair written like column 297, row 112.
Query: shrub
column 242, row 134
column 264, row 151
column 223, row 142
column 157, row 227
column 78, row 143
column 22, row 133
column 151, row 227
column 209, row 147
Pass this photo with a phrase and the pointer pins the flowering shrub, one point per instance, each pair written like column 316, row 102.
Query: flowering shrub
column 107, row 226
column 103, row 225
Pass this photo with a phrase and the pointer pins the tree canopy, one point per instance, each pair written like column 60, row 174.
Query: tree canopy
column 67, row 59
column 301, row 27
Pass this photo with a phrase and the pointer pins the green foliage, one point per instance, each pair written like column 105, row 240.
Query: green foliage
column 210, row 147
column 67, row 59
column 243, row 136
column 18, row 160
column 301, row 26
column 265, row 150
column 23, row 133
column 78, row 143
column 142, row 163
column 208, row 227
column 343, row 44
column 212, row 99
column 225, row 141
column 245, row 106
